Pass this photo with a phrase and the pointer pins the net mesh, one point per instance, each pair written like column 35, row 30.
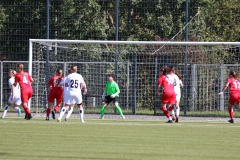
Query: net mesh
column 138, row 70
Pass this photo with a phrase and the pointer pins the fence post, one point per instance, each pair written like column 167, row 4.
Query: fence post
column 193, row 85
column 1, row 80
column 134, row 84
column 222, row 77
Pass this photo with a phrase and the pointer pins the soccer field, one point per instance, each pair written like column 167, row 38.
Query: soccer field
column 117, row 139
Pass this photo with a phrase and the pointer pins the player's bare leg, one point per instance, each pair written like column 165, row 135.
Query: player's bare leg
column 166, row 113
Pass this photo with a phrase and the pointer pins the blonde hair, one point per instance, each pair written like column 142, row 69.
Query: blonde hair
column 21, row 66
column 13, row 72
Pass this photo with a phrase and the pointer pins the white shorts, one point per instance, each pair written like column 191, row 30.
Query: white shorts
column 65, row 97
column 17, row 100
column 73, row 97
column 178, row 96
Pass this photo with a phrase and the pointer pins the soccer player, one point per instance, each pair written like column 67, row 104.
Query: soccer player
column 56, row 92
column 234, row 85
column 65, row 91
column 15, row 96
column 110, row 94
column 74, row 82
column 177, row 88
column 24, row 80
column 166, row 80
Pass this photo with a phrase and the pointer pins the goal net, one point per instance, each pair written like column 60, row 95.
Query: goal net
column 204, row 67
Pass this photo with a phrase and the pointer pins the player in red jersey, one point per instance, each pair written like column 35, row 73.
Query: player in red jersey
column 234, row 85
column 168, row 96
column 56, row 92
column 24, row 80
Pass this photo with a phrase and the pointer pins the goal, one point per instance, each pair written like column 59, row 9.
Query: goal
column 204, row 67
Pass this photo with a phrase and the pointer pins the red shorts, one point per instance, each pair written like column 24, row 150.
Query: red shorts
column 168, row 98
column 53, row 95
column 26, row 95
column 234, row 98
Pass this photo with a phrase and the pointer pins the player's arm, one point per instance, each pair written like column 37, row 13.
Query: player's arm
column 104, row 92
column 84, row 86
column 16, row 80
column 61, row 84
column 224, row 88
column 159, row 89
column 117, row 91
column 66, row 82
column 31, row 79
column 159, row 86
column 12, row 89
column 181, row 83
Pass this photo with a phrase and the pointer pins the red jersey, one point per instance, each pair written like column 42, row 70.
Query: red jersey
column 234, row 85
column 54, row 82
column 167, row 84
column 24, row 81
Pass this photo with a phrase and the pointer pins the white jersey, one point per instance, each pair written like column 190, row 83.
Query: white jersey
column 17, row 92
column 176, row 81
column 17, row 89
column 74, row 81
column 62, row 83
column 74, row 93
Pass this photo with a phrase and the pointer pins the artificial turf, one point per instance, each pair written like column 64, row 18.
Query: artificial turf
column 117, row 139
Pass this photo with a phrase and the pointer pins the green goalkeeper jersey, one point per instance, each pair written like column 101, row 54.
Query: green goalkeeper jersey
column 112, row 88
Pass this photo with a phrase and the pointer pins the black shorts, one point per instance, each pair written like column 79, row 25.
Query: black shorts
column 108, row 99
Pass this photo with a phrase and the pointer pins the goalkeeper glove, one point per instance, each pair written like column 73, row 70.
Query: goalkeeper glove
column 113, row 95
column 220, row 93
column 103, row 95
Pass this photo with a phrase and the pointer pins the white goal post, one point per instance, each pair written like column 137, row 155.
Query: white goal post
column 200, row 63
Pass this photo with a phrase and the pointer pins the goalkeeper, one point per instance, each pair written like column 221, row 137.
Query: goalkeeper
column 110, row 94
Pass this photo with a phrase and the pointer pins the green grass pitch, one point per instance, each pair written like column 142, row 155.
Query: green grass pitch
column 112, row 139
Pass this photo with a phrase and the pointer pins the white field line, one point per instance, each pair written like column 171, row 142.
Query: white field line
column 123, row 122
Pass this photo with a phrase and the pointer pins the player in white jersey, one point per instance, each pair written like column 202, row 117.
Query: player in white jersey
column 65, row 90
column 177, row 88
column 74, row 83
column 15, row 95
column 177, row 83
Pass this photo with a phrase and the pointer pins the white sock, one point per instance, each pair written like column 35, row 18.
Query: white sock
column 5, row 110
column 80, row 110
column 177, row 111
column 69, row 112
column 172, row 113
column 16, row 108
column 63, row 110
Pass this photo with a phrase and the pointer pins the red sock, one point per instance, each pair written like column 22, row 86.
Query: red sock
column 230, row 110
column 170, row 108
column 56, row 108
column 26, row 109
column 165, row 112
column 48, row 112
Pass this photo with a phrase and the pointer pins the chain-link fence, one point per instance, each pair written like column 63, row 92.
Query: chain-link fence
column 202, row 94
